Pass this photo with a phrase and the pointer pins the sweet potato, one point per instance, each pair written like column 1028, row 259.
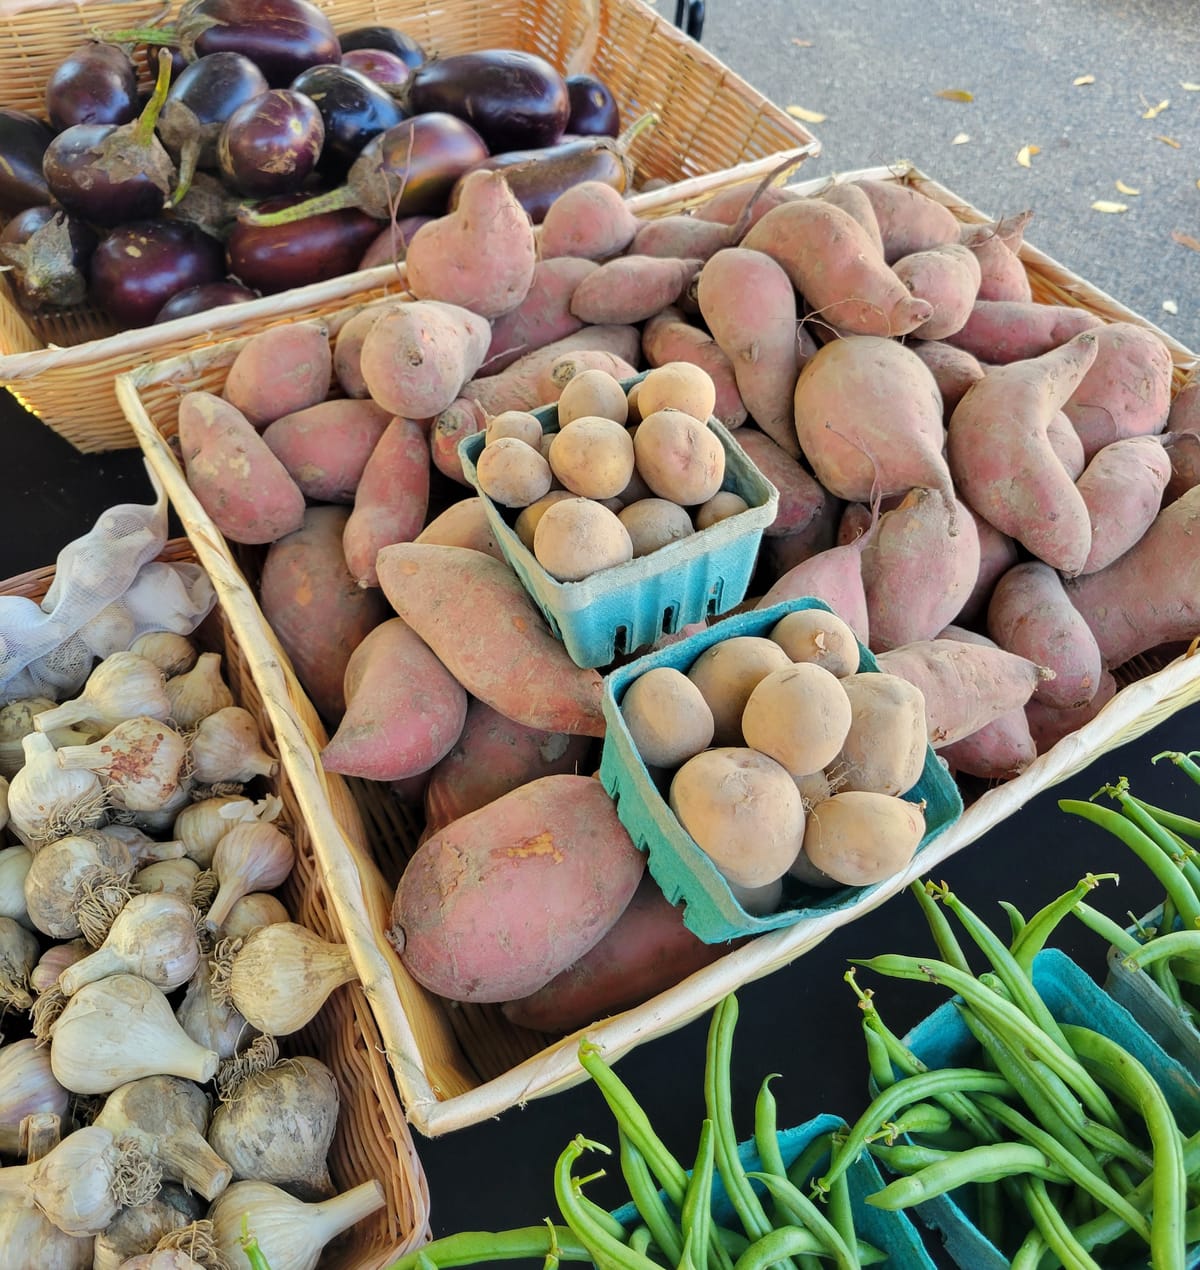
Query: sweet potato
column 997, row 554
column 542, row 317
column 1127, row 391
column 462, row 418
column 1002, row 274
column 591, row 221
column 1003, row 464
column 240, row 483
column 852, row 198
column 1029, row 614
column 908, row 220
column 948, row 278
column 1184, row 415
column 325, row 447
column 832, row 262
column 463, row 524
column 998, row 751
column 559, row 373
column 833, row 575
column 749, row 305
column 404, row 709
column 780, row 554
column 1151, row 594
column 669, row 337
column 729, row 205
column 317, row 610
column 478, row 618
column 1048, row 726
column 1067, row 446
column 1002, row 331
column 953, row 369
column 347, row 347
column 631, row 289
column 391, row 499
column 1122, row 488
column 417, row 357
column 480, row 255
column 495, row 904
column 1183, row 450
column 801, row 497
column 279, row 370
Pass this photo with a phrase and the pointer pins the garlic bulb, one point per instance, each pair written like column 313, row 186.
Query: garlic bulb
column 280, row 975
column 252, row 911
column 200, row 826
column 29, row 1239
column 276, row 1125
column 54, row 961
column 3, row 801
column 27, row 1086
column 171, row 653
column 18, row 956
column 226, row 747
column 14, row 865
column 110, row 631
column 198, row 692
column 140, row 762
column 291, row 1234
column 160, row 820
column 82, row 1184
column 121, row 1029
column 77, row 885
column 141, row 847
column 45, row 802
column 172, row 877
column 167, row 1117
column 160, row 1259
column 123, row 686
column 250, row 857
column 212, row 1023
column 135, row 1232
column 153, row 936
column 16, row 721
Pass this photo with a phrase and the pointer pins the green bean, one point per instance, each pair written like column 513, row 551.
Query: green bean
column 471, row 1248
column 987, row 1163
column 1171, row 845
column 1181, row 761
column 807, row 1162
column 944, row 938
column 775, row 1246
column 921, row 1117
column 648, row 1201
column 907, row 1157
column 766, row 1129
column 1037, row 930
column 640, row 1238
column 695, row 1218
column 608, row 1252
column 841, row 1213
column 1016, row 920
column 879, row 1062
column 799, row 1210
column 1054, row 1229
column 1179, row 943
column 1031, row 1251
column 1183, row 826
column 1104, row 926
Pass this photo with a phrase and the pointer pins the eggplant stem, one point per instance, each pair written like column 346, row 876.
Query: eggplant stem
column 149, row 117
column 332, row 201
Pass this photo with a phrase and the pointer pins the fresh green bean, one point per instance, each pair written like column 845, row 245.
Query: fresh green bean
column 695, row 1218
column 1016, row 920
column 810, row 1159
column 1037, row 930
column 647, row 1200
column 1179, row 943
column 640, row 1238
column 608, row 1251
column 766, row 1129
column 841, row 1212
column 775, row 1246
column 1181, row 761
column 879, row 1062
column 1031, row 1251
column 1104, row 926
column 470, row 1248
column 1054, row 1229
column 1184, row 826
column 976, row 1164
column 1169, row 842
column 921, row 1117
column 944, row 938
column 907, row 1157
column 799, row 1210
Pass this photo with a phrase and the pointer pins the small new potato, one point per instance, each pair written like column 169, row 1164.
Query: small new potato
column 668, row 719
column 514, row 423
column 512, row 473
column 743, row 811
column 595, row 393
column 799, row 716
column 813, row 635
column 678, row 386
column 653, row 523
column 578, row 537
column 884, row 750
column 728, row 672
column 527, row 521
column 593, row 457
column 679, row 457
column 859, row 837
column 723, row 504
column 634, row 415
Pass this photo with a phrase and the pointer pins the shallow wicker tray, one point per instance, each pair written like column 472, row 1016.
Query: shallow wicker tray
column 461, row 1064
column 710, row 121
column 372, row 1139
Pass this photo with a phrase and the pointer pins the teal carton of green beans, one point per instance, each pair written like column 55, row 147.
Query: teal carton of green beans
column 891, row 1233
column 684, row 872
column 942, row 1040
column 631, row 605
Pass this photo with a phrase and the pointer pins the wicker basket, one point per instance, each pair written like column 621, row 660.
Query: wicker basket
column 710, row 121
column 372, row 1139
column 458, row 1065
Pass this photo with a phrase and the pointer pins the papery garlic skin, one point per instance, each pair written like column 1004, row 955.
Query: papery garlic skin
column 172, row 877
column 45, row 802
column 123, row 686
column 18, row 956
column 201, row 825
column 134, row 1232
column 172, row 654
column 140, row 762
column 163, row 1259
column 55, row 960
column 62, row 873
column 31, row 1241
column 252, row 911
column 16, row 722
column 251, row 856
column 226, row 747
column 14, row 865
column 27, row 1087
column 212, row 1023
column 141, row 847
column 160, row 820
column 198, row 692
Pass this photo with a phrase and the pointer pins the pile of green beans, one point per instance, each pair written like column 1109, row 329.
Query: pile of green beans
column 1069, row 1145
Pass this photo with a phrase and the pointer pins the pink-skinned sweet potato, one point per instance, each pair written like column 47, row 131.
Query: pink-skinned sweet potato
column 998, row 751
column 1127, row 391
column 1151, row 594
column 781, row 554
column 279, row 370
column 908, row 220
column 857, row 518
column 477, row 617
column 631, row 288
column 1122, row 488
column 997, row 554
column 1183, row 451
column 729, row 205
column 1002, row 274
column 801, row 497
column 391, row 500
column 542, row 317
column 317, row 610
column 1184, row 415
column 498, row 902
column 325, row 447
column 1030, row 614
column 953, row 369
column 1048, row 726
column 404, row 709
column 463, row 524
column 480, row 255
column 347, row 347
column 1067, row 446
column 833, row 575
column 590, row 221
column 852, row 198
column 462, row 418
column 492, row 756
column 1003, row 464
column 948, row 278
column 669, row 337
column 559, row 373
column 240, row 483
column 833, row 263
column 1002, row 331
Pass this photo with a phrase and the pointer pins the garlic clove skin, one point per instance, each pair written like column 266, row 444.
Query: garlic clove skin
column 226, row 747
column 200, row 826
column 141, row 847
column 252, row 911
column 198, row 692
column 110, row 631
column 45, row 802
column 18, row 955
column 32, row 1242
column 124, row 685
column 14, row 865
column 213, row 1024
column 134, row 1232
column 161, row 1259
column 27, row 1087
column 173, row 877
column 162, row 818
column 140, row 762
column 77, row 872
column 54, row 961
column 251, row 856
column 172, row 654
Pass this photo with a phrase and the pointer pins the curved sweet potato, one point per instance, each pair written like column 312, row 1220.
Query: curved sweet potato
column 908, row 220
column 590, row 221
column 1122, row 488
column 542, row 317
column 631, row 288
column 1002, row 331
column 853, row 199
column 280, row 370
column 954, row 370
column 669, row 337
column 325, row 447
column 802, row 499
column 1048, row 726
column 1002, row 274
column 463, row 524
column 948, row 278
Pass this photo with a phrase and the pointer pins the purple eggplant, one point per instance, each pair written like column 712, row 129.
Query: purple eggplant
column 112, row 173
column 379, row 66
column 514, row 100
column 391, row 245
column 208, row 204
column 270, row 146
column 23, row 142
column 139, row 267
column 310, row 249
column 593, row 108
column 385, row 39
column 409, row 170
column 48, row 251
column 209, row 295
column 353, row 109
column 97, row 83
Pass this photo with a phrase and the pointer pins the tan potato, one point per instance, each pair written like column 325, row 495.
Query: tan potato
column 593, row 457
column 859, row 837
column 679, row 457
column 743, row 811
column 668, row 719
column 512, row 473
column 884, row 751
column 723, row 504
column 577, row 537
column 527, row 521
column 679, row 386
column 813, row 635
column 758, row 900
column 728, row 672
column 803, row 870
column 800, row 717
column 592, row 393
column 653, row 523
column 634, row 415
column 514, row 423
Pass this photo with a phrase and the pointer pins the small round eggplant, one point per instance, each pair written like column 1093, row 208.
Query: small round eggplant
column 270, row 145
column 386, row 39
column 312, row 249
column 139, row 267
column 209, row 295
column 97, row 83
column 208, row 204
column 23, row 141
column 353, row 109
column 49, row 251
column 593, row 108
column 514, row 100
column 384, row 68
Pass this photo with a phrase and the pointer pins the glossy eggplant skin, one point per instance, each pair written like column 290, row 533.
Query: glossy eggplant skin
column 204, row 95
column 386, row 38
column 140, row 266
column 514, row 100
column 23, row 141
column 105, row 196
column 379, row 66
column 97, row 83
column 353, row 108
column 281, row 37
column 276, row 258
column 49, row 251
column 423, row 157
column 594, row 110
column 209, row 295
column 270, row 145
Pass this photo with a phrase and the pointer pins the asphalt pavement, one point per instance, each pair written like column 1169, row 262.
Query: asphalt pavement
column 875, row 69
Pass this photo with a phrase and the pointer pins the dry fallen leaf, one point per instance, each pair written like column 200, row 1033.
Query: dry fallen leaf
column 1083, row 79
column 1167, row 141
column 1186, row 240
column 955, row 94
column 960, row 139
column 1170, row 306
column 1127, row 189
column 1102, row 205
column 1026, row 153
column 809, row 116
column 1153, row 111
column 802, row 44
column 1190, row 88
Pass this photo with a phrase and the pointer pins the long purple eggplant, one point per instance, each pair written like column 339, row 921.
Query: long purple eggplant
column 312, row 249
